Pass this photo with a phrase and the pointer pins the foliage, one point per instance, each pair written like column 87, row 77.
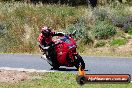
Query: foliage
column 2, row 29
column 103, row 30
column 81, row 32
column 75, row 2
column 100, row 44
column 120, row 16
column 130, row 32
column 20, row 24
column 118, row 42
column 122, row 22
column 100, row 14
column 68, row 2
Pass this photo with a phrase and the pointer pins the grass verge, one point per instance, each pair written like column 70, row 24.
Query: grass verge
column 57, row 80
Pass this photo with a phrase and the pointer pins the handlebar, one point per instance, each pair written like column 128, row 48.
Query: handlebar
column 73, row 33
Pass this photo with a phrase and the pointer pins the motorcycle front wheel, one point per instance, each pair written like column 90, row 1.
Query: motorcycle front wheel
column 79, row 62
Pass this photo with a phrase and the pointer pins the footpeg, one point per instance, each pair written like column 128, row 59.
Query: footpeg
column 44, row 57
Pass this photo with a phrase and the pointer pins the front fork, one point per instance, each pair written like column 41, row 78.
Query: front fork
column 72, row 56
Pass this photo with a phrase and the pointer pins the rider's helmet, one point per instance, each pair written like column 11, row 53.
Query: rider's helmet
column 45, row 31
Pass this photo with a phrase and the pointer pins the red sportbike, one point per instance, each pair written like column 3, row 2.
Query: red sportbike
column 65, row 53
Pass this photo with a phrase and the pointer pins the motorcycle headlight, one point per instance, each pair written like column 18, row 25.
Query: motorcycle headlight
column 72, row 46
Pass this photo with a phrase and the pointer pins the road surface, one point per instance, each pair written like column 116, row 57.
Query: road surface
column 94, row 65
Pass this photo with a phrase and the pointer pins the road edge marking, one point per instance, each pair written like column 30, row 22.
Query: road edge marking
column 24, row 69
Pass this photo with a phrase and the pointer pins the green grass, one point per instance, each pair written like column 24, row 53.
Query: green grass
column 58, row 80
column 118, row 42
column 130, row 32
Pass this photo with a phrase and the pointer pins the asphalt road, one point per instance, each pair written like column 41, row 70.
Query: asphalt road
column 94, row 65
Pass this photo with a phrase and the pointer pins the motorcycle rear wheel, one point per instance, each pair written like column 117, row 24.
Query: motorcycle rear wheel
column 79, row 62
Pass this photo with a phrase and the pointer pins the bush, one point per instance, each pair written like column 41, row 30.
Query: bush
column 3, row 37
column 2, row 29
column 99, row 44
column 122, row 22
column 121, row 16
column 100, row 14
column 118, row 42
column 103, row 30
column 119, row 21
column 81, row 32
column 130, row 32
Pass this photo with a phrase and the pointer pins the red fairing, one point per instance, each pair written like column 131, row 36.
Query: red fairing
column 65, row 50
column 62, row 53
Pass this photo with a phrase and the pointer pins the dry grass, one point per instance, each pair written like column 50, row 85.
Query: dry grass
column 122, row 51
column 22, row 22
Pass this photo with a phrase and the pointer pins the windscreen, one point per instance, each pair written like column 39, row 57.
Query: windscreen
column 65, row 39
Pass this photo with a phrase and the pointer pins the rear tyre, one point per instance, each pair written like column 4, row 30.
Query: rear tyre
column 79, row 62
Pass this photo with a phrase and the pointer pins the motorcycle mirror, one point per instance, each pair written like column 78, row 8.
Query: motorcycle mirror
column 74, row 32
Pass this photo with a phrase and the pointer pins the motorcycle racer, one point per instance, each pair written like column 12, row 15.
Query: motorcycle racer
column 45, row 38
column 64, row 53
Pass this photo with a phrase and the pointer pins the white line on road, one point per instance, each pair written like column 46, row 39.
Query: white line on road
column 23, row 69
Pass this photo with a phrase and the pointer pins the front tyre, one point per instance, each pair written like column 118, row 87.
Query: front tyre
column 79, row 62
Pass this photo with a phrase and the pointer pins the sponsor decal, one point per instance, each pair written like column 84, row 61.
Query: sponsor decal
column 83, row 78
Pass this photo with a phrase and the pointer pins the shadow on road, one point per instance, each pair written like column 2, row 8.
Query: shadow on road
column 66, row 69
